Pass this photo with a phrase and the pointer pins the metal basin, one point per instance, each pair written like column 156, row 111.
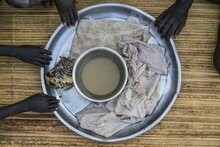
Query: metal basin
column 71, row 102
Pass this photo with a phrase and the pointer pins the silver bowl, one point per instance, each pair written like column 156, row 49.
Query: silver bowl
column 92, row 54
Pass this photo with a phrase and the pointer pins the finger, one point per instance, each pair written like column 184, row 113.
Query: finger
column 162, row 23
column 68, row 19
column 171, row 30
column 76, row 15
column 165, row 28
column 159, row 18
column 180, row 27
column 52, row 109
column 43, row 61
column 44, row 51
column 72, row 19
column 53, row 106
column 62, row 17
column 39, row 64
column 42, row 94
column 45, row 57
column 51, row 102
column 51, row 97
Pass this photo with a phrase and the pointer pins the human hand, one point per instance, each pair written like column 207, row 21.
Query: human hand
column 67, row 10
column 33, row 54
column 172, row 20
column 41, row 103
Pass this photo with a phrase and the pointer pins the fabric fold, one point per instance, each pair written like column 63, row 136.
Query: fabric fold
column 146, row 63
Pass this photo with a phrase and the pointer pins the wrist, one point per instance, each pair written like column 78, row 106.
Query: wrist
column 17, row 51
column 24, row 105
column 6, row 50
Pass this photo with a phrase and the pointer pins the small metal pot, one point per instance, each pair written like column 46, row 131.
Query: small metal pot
column 92, row 54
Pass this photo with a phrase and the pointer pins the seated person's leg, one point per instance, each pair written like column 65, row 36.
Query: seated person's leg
column 216, row 58
column 214, row 1
column 24, row 3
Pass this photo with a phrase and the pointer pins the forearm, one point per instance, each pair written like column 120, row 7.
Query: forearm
column 13, row 109
column 8, row 50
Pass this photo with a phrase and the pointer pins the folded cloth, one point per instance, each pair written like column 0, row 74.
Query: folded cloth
column 146, row 63
column 103, row 33
column 99, row 119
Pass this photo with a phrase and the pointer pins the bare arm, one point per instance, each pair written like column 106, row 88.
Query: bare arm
column 36, row 103
column 31, row 54
column 13, row 109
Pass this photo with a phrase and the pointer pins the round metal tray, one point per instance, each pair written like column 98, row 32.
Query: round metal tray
column 71, row 102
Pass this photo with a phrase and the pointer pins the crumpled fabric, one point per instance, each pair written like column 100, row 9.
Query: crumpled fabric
column 99, row 119
column 103, row 33
column 147, row 53
column 146, row 63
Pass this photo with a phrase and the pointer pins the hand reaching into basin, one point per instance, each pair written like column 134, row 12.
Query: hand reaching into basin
column 37, row 103
column 67, row 10
column 172, row 20
column 31, row 54
column 41, row 103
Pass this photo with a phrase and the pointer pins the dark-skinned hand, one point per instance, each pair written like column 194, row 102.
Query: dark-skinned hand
column 67, row 10
column 34, row 55
column 37, row 103
column 41, row 103
column 172, row 20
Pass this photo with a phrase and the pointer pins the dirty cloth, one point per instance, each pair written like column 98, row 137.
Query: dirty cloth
column 146, row 63
column 103, row 33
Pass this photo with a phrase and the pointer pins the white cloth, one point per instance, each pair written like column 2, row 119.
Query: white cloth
column 99, row 119
column 103, row 33
column 146, row 63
